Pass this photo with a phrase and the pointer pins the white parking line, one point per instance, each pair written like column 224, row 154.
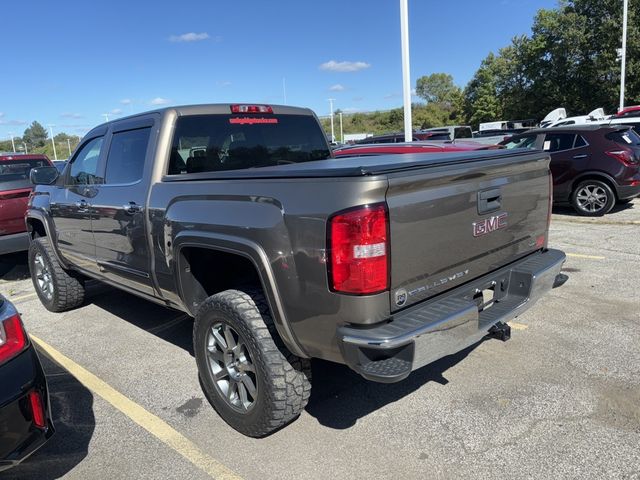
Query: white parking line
column 147, row 420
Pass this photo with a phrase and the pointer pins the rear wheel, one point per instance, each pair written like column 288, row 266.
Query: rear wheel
column 247, row 374
column 592, row 198
column 58, row 289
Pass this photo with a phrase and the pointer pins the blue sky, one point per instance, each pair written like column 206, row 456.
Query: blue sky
column 69, row 62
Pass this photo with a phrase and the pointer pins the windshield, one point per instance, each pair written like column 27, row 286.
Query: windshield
column 18, row 170
column 209, row 143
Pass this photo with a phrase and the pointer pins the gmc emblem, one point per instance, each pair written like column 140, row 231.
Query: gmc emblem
column 490, row 224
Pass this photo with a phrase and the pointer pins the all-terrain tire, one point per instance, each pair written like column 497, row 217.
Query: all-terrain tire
column 282, row 380
column 66, row 289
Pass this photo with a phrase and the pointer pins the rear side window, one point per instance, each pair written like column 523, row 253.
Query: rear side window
column 210, row 143
column 580, row 142
column 85, row 164
column 127, row 152
column 624, row 137
column 556, row 142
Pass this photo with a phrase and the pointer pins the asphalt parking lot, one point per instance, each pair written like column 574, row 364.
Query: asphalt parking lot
column 561, row 399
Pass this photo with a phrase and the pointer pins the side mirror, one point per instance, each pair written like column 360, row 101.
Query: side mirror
column 43, row 175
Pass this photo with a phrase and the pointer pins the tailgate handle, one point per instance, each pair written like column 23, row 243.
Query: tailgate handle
column 489, row 201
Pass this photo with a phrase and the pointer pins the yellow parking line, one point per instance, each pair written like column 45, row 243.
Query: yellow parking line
column 147, row 420
column 518, row 326
column 591, row 257
column 22, row 297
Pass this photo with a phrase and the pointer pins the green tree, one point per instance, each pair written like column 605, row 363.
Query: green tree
column 35, row 136
column 437, row 88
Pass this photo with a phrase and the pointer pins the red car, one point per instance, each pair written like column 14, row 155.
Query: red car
column 15, row 188
column 415, row 147
column 633, row 111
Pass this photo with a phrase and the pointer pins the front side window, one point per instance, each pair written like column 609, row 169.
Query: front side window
column 127, row 152
column 85, row 164
column 218, row 142
column 556, row 142
column 528, row 141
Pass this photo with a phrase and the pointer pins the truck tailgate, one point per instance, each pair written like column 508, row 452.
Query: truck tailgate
column 455, row 221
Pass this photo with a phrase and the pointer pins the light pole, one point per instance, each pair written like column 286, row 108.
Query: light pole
column 106, row 117
column 12, row 142
column 623, row 58
column 341, row 131
column 25, row 148
column 333, row 138
column 406, row 75
column 55, row 155
column 69, row 145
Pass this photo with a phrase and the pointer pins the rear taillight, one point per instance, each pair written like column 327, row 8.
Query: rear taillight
column 13, row 340
column 37, row 409
column 358, row 248
column 624, row 155
column 251, row 109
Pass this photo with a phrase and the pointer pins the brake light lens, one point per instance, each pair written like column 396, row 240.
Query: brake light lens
column 37, row 409
column 251, row 109
column 13, row 340
column 625, row 156
column 359, row 245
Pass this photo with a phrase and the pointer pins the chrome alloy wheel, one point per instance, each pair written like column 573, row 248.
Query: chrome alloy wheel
column 43, row 276
column 234, row 373
column 591, row 198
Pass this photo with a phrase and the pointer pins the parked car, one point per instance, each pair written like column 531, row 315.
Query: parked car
column 15, row 188
column 414, row 147
column 593, row 166
column 454, row 132
column 240, row 216
column 25, row 416
column 632, row 111
column 398, row 137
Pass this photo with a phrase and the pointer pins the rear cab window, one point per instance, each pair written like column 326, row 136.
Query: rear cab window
column 220, row 142
column 16, row 171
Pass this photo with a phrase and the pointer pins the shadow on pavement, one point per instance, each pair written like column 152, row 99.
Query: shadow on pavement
column 72, row 410
column 340, row 396
column 569, row 211
column 170, row 325
column 14, row 266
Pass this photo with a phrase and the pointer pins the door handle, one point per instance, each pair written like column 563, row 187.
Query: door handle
column 489, row 201
column 131, row 208
column 582, row 155
column 82, row 205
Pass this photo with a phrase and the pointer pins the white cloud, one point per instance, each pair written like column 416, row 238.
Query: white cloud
column 337, row 88
column 13, row 122
column 159, row 101
column 71, row 115
column 126, row 101
column 189, row 37
column 116, row 111
column 334, row 66
column 224, row 83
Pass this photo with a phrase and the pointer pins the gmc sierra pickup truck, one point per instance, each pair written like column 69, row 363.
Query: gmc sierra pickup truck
column 240, row 216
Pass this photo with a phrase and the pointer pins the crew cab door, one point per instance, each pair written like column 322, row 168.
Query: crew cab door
column 119, row 223
column 70, row 205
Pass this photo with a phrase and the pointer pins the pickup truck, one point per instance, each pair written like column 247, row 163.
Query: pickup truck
column 240, row 216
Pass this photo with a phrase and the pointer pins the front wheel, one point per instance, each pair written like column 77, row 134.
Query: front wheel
column 593, row 198
column 247, row 374
column 58, row 289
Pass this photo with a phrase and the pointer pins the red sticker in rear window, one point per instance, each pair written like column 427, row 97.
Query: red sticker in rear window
column 251, row 121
